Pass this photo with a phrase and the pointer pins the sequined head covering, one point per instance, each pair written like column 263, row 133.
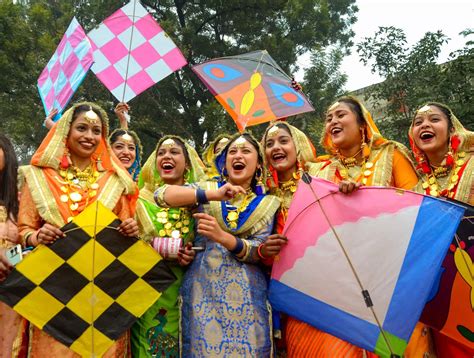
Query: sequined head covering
column 209, row 154
column 135, row 168
column 54, row 146
column 374, row 137
column 150, row 177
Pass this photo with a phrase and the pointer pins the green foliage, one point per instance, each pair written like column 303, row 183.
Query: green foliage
column 180, row 104
column 413, row 77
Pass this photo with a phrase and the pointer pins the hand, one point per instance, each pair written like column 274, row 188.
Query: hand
column 348, row 187
column 48, row 122
column 186, row 255
column 119, row 112
column 209, row 227
column 5, row 265
column 225, row 192
column 273, row 245
column 129, row 227
column 48, row 234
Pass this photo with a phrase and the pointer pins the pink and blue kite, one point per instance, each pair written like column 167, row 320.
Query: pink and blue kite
column 66, row 69
column 366, row 276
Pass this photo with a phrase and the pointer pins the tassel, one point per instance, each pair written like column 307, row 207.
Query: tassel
column 365, row 150
column 455, row 141
column 65, row 160
column 449, row 159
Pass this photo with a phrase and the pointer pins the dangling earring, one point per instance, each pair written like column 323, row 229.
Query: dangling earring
column 66, row 159
column 363, row 145
column 99, row 165
column 299, row 171
column 224, row 174
column 187, row 175
column 259, row 187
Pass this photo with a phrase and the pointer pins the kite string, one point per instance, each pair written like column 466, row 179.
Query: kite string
column 129, row 50
column 366, row 298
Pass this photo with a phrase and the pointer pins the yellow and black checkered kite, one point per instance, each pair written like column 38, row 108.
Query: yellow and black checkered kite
column 87, row 289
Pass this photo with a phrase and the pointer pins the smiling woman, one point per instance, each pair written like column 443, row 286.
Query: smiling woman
column 225, row 310
column 127, row 148
column 72, row 168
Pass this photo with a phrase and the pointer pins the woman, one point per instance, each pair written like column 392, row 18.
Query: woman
column 173, row 162
column 72, row 168
column 443, row 150
column 210, row 153
column 127, row 148
column 224, row 299
column 9, row 320
column 357, row 155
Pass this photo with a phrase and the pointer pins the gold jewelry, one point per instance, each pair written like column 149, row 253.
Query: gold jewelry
column 425, row 110
column 240, row 142
column 168, row 143
column 174, row 223
column 334, row 105
column 348, row 161
column 223, row 140
column 233, row 215
column 128, row 138
column 433, row 187
column 273, row 131
column 91, row 116
column 77, row 185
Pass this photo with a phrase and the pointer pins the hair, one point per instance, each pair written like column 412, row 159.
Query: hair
column 446, row 111
column 8, row 178
column 355, row 108
column 178, row 141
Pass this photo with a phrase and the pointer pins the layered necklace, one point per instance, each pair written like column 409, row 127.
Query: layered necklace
column 78, row 185
column 234, row 212
column 441, row 180
column 351, row 169
column 173, row 220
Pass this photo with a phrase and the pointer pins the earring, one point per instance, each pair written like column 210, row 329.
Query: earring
column 299, row 170
column 187, row 175
column 363, row 145
column 66, row 159
column 224, row 174
column 259, row 187
column 99, row 165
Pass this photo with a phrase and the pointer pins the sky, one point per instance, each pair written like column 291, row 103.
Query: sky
column 415, row 17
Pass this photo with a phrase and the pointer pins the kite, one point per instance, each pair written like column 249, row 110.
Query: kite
column 82, row 290
column 252, row 88
column 132, row 52
column 450, row 308
column 361, row 266
column 66, row 69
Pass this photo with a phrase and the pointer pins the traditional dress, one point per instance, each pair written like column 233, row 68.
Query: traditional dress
column 10, row 321
column 46, row 197
column 387, row 165
column 225, row 311
column 456, row 182
column 155, row 334
column 209, row 155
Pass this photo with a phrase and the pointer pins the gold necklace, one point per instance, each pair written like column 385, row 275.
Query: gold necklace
column 173, row 220
column 77, row 184
column 348, row 162
column 362, row 175
column 434, row 188
column 233, row 214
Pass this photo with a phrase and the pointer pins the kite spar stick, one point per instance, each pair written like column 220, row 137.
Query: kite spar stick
column 127, row 116
column 365, row 293
column 93, row 299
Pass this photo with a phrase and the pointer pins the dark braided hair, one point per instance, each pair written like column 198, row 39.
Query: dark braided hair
column 8, row 178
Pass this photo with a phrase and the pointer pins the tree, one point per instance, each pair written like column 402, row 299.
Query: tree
column 413, row 77
column 179, row 104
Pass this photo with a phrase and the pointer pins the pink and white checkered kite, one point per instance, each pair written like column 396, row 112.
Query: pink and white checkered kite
column 132, row 52
column 66, row 69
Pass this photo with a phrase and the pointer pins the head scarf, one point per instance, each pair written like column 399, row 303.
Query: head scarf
column 460, row 140
column 134, row 169
column 208, row 155
column 305, row 151
column 150, row 178
column 375, row 139
column 54, row 147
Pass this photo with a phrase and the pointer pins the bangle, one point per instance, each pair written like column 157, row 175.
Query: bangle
column 201, row 197
column 259, row 252
column 238, row 247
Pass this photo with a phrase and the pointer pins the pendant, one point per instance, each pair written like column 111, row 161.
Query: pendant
column 367, row 173
column 454, row 178
column 178, row 225
column 64, row 189
column 75, row 196
column 162, row 233
column 74, row 206
column 70, row 176
column 168, row 225
column 369, row 165
column 92, row 193
column 64, row 198
column 232, row 216
column 425, row 185
column 186, row 222
column 344, row 173
column 69, row 219
column 185, row 230
column 364, row 181
column 94, row 186
column 459, row 162
column 434, row 193
column 431, row 180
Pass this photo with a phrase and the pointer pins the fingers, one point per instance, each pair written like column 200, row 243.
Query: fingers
column 5, row 266
column 48, row 234
column 129, row 227
column 348, row 187
column 186, row 255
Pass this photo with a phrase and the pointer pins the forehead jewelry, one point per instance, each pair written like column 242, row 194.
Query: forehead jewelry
column 334, row 105
column 168, row 143
column 425, row 110
column 273, row 131
column 223, row 140
column 127, row 138
column 91, row 116
column 240, row 142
